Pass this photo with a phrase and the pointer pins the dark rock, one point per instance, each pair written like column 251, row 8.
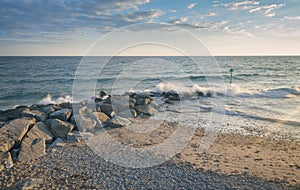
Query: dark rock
column 133, row 112
column 38, row 115
column 38, row 107
column 200, row 93
column 11, row 114
column 142, row 110
column 5, row 160
column 63, row 114
column 107, row 109
column 2, row 124
column 60, row 129
column 74, row 136
column 48, row 110
column 102, row 94
column 32, row 148
column 143, row 102
column 67, row 105
column 131, row 102
column 11, row 134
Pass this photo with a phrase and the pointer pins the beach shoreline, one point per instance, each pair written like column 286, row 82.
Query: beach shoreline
column 36, row 140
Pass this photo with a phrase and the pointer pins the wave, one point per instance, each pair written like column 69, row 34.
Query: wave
column 49, row 100
column 233, row 90
column 250, row 116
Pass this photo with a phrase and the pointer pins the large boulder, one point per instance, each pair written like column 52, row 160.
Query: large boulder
column 48, row 110
column 13, row 132
column 38, row 115
column 32, row 148
column 40, row 130
column 85, row 123
column 5, row 160
column 60, row 129
column 107, row 109
column 63, row 114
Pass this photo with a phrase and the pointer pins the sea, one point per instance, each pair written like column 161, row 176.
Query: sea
column 242, row 94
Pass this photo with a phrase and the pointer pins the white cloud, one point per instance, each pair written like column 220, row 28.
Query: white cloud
column 253, row 6
column 190, row 6
column 211, row 14
column 267, row 9
column 240, row 5
column 172, row 11
column 179, row 21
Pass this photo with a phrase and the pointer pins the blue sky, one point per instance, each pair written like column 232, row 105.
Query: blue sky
column 231, row 27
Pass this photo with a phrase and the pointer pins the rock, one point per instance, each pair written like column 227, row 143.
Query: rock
column 85, row 111
column 12, row 114
column 31, row 183
column 143, row 102
column 11, row 134
column 2, row 124
column 67, row 105
column 60, row 129
column 131, row 102
column 107, row 109
column 142, row 110
column 85, row 123
column 58, row 143
column 102, row 117
column 40, row 130
column 118, row 122
column 63, row 114
column 48, row 110
column 38, row 115
column 32, row 148
column 133, row 112
column 72, row 120
column 74, row 136
column 5, row 160
column 14, row 153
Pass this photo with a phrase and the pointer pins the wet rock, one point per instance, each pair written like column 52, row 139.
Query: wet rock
column 48, row 110
column 60, row 129
column 67, row 105
column 12, row 114
column 32, row 148
column 2, row 124
column 40, row 130
column 5, row 160
column 118, row 121
column 12, row 133
column 131, row 102
column 63, row 114
column 133, row 112
column 38, row 115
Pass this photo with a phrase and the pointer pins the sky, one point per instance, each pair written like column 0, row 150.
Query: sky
column 229, row 27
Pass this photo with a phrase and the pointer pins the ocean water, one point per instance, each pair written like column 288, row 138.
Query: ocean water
column 264, row 93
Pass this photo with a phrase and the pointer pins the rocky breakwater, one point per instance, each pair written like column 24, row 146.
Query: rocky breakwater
column 26, row 132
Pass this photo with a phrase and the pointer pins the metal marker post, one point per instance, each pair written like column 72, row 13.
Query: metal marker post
column 231, row 71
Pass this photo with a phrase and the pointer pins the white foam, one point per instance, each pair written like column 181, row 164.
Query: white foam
column 48, row 100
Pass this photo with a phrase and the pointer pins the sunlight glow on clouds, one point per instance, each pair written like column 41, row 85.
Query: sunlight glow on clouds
column 70, row 27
